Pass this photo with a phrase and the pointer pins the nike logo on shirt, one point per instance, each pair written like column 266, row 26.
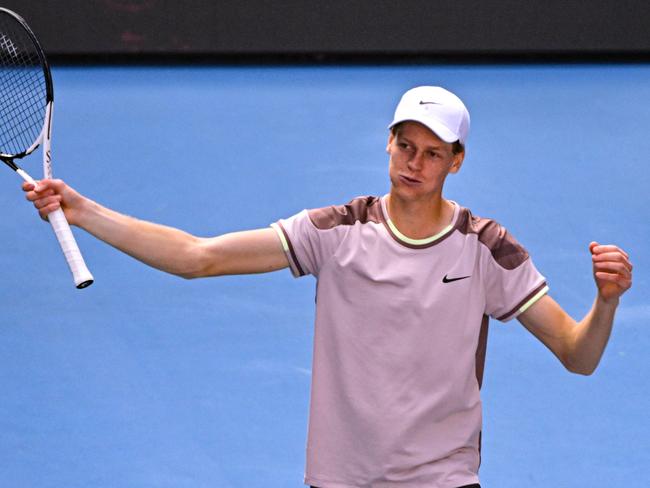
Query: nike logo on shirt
column 449, row 280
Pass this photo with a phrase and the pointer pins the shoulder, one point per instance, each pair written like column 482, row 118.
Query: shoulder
column 361, row 209
column 503, row 247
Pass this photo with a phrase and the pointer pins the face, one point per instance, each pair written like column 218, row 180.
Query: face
column 419, row 161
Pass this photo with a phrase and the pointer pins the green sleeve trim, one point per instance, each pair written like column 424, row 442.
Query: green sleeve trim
column 532, row 301
column 278, row 231
column 418, row 242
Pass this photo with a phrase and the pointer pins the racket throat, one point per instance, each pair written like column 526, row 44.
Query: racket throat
column 11, row 164
column 21, row 172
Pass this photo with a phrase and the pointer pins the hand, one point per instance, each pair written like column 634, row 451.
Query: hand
column 49, row 195
column 612, row 270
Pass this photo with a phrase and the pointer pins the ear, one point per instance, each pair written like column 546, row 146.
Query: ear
column 457, row 163
column 391, row 137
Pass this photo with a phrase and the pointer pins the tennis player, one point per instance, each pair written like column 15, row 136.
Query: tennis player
column 406, row 285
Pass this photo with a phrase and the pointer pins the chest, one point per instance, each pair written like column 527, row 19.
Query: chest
column 380, row 271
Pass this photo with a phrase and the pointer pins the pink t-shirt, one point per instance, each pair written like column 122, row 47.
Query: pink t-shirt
column 399, row 342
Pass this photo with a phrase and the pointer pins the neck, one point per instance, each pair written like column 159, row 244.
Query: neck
column 419, row 219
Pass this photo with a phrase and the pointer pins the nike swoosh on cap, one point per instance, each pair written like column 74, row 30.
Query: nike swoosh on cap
column 429, row 103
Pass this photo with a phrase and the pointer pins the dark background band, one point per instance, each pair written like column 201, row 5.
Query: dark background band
column 356, row 30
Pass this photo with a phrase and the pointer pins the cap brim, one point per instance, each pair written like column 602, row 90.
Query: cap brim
column 437, row 128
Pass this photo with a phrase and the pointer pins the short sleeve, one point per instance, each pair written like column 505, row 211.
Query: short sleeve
column 306, row 246
column 512, row 281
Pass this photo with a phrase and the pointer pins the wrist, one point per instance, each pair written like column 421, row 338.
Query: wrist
column 83, row 211
column 608, row 302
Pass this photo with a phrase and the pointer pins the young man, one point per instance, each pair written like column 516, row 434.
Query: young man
column 406, row 283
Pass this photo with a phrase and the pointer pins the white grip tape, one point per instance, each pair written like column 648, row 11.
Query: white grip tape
column 23, row 174
column 80, row 273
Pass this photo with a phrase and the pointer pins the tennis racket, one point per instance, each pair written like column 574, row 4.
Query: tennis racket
column 26, row 102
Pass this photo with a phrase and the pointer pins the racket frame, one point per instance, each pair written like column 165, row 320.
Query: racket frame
column 81, row 275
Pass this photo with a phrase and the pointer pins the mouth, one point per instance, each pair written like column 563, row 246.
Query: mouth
column 408, row 180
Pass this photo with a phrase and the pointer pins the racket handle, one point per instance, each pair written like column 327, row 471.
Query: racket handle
column 80, row 273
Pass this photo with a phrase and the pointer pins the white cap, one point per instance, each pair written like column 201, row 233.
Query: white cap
column 436, row 108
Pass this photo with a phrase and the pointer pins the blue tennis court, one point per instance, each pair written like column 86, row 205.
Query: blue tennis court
column 146, row 380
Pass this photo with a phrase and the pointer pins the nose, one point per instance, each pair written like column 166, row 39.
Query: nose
column 415, row 163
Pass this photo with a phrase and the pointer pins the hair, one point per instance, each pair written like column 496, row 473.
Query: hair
column 457, row 147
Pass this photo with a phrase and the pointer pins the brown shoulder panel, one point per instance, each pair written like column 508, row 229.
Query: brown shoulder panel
column 505, row 249
column 362, row 209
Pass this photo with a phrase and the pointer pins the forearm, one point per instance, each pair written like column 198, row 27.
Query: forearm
column 590, row 336
column 165, row 248
column 162, row 247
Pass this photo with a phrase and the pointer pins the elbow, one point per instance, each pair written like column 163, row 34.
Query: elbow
column 197, row 271
column 577, row 358
column 194, row 273
column 186, row 270
column 579, row 368
column 582, row 371
column 201, row 261
column 188, row 275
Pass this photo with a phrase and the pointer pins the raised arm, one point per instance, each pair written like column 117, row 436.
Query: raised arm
column 580, row 345
column 159, row 246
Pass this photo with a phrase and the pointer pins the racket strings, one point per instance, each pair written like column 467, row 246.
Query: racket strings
column 22, row 89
